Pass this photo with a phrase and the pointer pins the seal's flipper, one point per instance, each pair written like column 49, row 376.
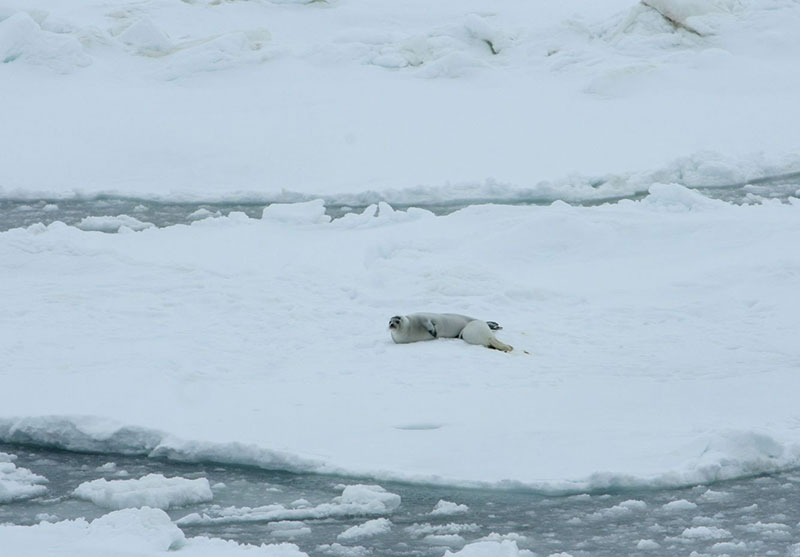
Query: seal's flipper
column 431, row 328
column 498, row 345
column 478, row 332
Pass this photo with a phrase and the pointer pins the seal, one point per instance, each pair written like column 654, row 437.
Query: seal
column 417, row 327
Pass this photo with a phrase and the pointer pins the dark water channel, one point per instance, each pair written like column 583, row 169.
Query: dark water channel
column 755, row 516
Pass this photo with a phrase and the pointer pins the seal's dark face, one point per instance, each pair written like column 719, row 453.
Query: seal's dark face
column 394, row 322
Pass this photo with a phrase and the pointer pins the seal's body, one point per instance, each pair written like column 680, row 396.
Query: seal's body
column 429, row 326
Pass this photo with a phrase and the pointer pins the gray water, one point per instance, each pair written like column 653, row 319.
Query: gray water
column 15, row 213
column 754, row 516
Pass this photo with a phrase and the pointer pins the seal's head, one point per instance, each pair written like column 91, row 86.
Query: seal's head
column 395, row 322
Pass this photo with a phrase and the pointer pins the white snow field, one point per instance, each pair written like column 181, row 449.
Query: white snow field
column 402, row 101
column 655, row 341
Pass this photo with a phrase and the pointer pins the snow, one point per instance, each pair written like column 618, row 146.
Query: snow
column 417, row 530
column 656, row 339
column 680, row 505
column 288, row 529
column 152, row 490
column 661, row 340
column 705, row 533
column 447, row 508
column 449, row 540
column 18, row 483
column 356, row 500
column 371, row 99
column 626, row 508
column 368, row 529
column 113, row 224
column 141, row 532
column 339, row 550
column 506, row 548
column 729, row 547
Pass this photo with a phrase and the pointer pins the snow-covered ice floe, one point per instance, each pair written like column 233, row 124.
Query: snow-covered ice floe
column 144, row 532
column 661, row 340
column 152, row 490
column 505, row 548
column 132, row 98
column 18, row 483
column 355, row 500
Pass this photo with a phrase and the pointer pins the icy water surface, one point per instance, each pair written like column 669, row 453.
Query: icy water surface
column 755, row 516
column 20, row 213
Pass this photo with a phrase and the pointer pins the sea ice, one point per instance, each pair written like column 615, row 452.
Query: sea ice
column 448, row 540
column 113, row 224
column 680, row 505
column 144, row 532
column 370, row 528
column 417, row 530
column 447, row 508
column 705, row 533
column 339, row 550
column 152, row 490
column 18, row 483
column 356, row 500
column 506, row 548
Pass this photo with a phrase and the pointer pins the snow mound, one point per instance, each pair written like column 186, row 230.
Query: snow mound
column 674, row 197
column 143, row 532
column 505, row 548
column 356, row 500
column 452, row 50
column 366, row 530
column 113, row 224
column 418, row 530
column 705, row 533
column 218, row 53
column 22, row 39
column 339, row 550
column 447, row 540
column 143, row 37
column 373, row 498
column 681, row 505
column 17, row 483
column 447, row 508
column 131, row 527
column 309, row 212
column 153, row 490
column 202, row 214
column 288, row 529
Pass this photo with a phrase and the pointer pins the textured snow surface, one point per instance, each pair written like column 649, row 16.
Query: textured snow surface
column 152, row 490
column 655, row 343
column 142, row 532
column 378, row 99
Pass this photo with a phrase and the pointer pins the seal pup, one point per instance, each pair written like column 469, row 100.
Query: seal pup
column 429, row 326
